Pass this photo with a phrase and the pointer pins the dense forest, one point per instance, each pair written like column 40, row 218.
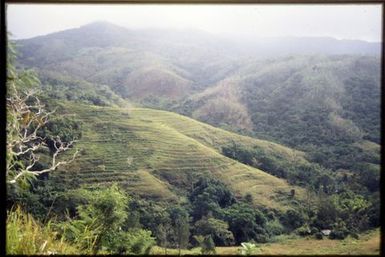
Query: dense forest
column 121, row 142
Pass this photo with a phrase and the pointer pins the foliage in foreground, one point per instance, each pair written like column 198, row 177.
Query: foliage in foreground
column 99, row 228
column 99, row 225
column 26, row 236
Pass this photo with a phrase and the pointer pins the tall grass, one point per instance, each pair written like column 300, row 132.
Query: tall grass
column 24, row 235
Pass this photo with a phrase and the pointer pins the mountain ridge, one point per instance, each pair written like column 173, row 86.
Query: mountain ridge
column 108, row 24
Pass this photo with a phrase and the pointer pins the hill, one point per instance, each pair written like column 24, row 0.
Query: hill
column 318, row 104
column 104, row 53
column 117, row 56
column 159, row 155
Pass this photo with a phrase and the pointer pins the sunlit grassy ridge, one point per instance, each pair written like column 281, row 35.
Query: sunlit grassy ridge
column 158, row 154
column 212, row 136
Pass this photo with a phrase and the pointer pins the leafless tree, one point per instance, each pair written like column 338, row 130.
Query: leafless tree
column 26, row 115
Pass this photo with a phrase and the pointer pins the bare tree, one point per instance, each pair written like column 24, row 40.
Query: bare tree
column 25, row 117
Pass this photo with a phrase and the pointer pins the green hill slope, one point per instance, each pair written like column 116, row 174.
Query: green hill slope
column 323, row 105
column 158, row 154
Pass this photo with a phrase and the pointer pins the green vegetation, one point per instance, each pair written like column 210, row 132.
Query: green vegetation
column 96, row 229
column 33, row 145
column 89, row 173
column 59, row 86
column 296, row 171
column 215, row 209
column 323, row 105
column 99, row 221
column 158, row 155
column 26, row 236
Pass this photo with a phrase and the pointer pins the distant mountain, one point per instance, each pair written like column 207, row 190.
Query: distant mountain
column 101, row 52
column 281, row 46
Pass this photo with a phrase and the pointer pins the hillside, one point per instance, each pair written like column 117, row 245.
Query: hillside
column 318, row 104
column 159, row 155
column 104, row 53
column 175, row 57
column 301, row 92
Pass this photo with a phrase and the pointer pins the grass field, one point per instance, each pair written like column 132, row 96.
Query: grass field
column 157, row 154
column 368, row 244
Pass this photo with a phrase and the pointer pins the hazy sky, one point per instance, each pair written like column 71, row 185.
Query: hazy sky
column 357, row 21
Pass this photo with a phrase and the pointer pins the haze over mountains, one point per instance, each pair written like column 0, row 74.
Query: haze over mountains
column 190, row 54
column 267, row 46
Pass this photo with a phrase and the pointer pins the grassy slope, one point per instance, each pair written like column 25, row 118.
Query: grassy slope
column 368, row 244
column 157, row 154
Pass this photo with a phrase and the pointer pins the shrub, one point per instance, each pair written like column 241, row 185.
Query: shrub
column 318, row 235
column 293, row 219
column 262, row 238
column 338, row 234
column 139, row 242
column 208, row 245
column 218, row 229
column 355, row 236
column 314, row 230
column 274, row 227
column 303, row 231
column 99, row 222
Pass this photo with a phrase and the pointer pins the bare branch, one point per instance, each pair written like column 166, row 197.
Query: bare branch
column 55, row 165
column 32, row 149
column 33, row 159
column 28, row 117
column 52, row 168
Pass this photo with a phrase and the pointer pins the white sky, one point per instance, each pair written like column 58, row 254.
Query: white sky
column 356, row 21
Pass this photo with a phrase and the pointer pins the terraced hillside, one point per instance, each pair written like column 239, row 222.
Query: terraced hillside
column 159, row 154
